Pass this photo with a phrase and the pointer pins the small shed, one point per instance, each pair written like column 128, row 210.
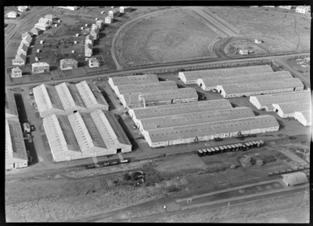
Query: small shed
column 93, row 62
column 16, row 72
column 12, row 14
column 296, row 178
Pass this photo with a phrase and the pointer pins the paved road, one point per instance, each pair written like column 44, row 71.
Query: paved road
column 160, row 68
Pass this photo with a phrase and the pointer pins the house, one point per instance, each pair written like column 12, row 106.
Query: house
column 40, row 67
column 93, row 62
column 243, row 51
column 99, row 24
column 27, row 40
column 19, row 60
column 49, row 17
column 121, row 9
column 22, row 49
column 12, row 14
column 25, row 34
column 88, row 40
column 303, row 9
column 107, row 20
column 43, row 24
column 22, row 8
column 111, row 14
column 88, row 50
column 94, row 32
column 68, row 64
column 34, row 31
column 16, row 72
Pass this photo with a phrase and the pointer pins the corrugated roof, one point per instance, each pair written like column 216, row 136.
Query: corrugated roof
column 81, row 133
column 209, row 128
column 104, row 128
column 54, row 134
column 97, row 93
column 133, row 100
column 135, row 88
column 243, row 78
column 134, row 79
column 121, row 136
column 8, row 143
column 65, row 96
column 18, row 145
column 192, row 75
column 10, row 104
column 42, row 98
column 88, row 96
column 238, row 88
column 93, row 131
column 68, row 133
column 269, row 99
column 196, row 117
column 54, row 97
column 76, row 96
column 170, row 109
column 293, row 106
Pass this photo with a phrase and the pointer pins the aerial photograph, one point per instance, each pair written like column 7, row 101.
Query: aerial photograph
column 191, row 114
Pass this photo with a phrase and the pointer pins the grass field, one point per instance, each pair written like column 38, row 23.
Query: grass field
column 280, row 31
column 167, row 35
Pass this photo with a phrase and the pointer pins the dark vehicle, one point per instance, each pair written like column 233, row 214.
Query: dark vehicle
column 114, row 162
column 218, row 139
column 32, row 128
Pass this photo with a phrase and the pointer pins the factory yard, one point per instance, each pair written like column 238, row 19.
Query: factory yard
column 224, row 141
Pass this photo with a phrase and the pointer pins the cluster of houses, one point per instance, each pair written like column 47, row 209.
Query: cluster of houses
column 27, row 37
column 14, row 14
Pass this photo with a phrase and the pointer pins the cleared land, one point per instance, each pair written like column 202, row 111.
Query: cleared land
column 281, row 32
column 167, row 35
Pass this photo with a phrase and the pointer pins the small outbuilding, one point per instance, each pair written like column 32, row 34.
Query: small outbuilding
column 16, row 72
column 93, row 62
column 40, row 67
column 107, row 20
column 296, row 178
column 68, row 64
column 12, row 14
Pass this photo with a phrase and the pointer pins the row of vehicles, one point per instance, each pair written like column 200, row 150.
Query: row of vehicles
column 230, row 147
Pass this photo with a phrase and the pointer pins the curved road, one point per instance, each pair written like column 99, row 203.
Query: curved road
column 116, row 35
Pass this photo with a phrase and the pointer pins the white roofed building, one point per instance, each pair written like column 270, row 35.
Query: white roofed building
column 40, row 67
column 15, row 151
column 68, row 64
column 260, row 87
column 12, row 14
column 303, row 9
column 304, row 117
column 91, row 96
column 209, row 130
column 170, row 96
column 19, row 60
column 211, row 82
column 47, row 100
column 191, row 77
column 83, row 135
column 265, row 101
column 16, row 72
column 93, row 62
